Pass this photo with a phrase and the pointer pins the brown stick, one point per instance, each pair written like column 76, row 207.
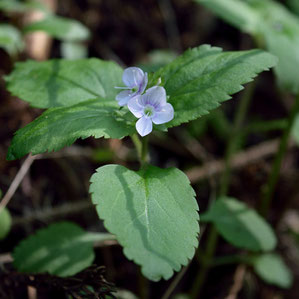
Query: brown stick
column 16, row 181
column 238, row 282
column 240, row 160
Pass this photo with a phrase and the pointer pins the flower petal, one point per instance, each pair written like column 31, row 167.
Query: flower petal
column 143, row 84
column 164, row 115
column 144, row 126
column 155, row 96
column 133, row 77
column 135, row 107
column 123, row 97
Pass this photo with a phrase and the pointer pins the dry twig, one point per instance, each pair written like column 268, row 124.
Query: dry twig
column 238, row 282
column 17, row 181
column 240, row 160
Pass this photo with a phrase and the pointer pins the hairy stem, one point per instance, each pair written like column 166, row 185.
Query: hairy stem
column 138, row 145
column 276, row 166
column 144, row 151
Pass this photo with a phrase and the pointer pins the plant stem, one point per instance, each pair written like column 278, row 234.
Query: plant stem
column 233, row 141
column 138, row 145
column 175, row 283
column 276, row 166
column 224, row 185
column 142, row 148
column 266, row 126
column 144, row 151
column 205, row 263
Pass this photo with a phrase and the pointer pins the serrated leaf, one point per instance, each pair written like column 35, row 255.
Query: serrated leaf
column 61, row 249
column 10, row 39
column 5, row 223
column 57, row 83
column 277, row 26
column 203, row 77
column 240, row 225
column 153, row 214
column 271, row 268
column 59, row 127
column 60, row 28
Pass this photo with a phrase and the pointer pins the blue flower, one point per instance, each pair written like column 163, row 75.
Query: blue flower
column 150, row 108
column 135, row 80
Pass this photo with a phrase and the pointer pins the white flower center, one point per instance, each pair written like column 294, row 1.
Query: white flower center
column 148, row 111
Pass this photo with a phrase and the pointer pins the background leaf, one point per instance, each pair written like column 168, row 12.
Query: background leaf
column 59, row 127
column 153, row 214
column 295, row 130
column 62, row 249
column 271, row 268
column 271, row 21
column 294, row 6
column 239, row 225
column 57, row 83
column 10, row 39
column 73, row 50
column 11, row 6
column 60, row 28
column 5, row 223
column 203, row 77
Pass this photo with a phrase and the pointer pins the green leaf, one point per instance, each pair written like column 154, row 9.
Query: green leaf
column 157, row 59
column 277, row 26
column 294, row 6
column 59, row 82
column 153, row 214
column 295, row 130
column 5, row 223
column 10, row 39
column 239, row 225
column 203, row 77
column 59, row 127
column 61, row 249
column 60, row 28
column 271, row 268
column 10, row 6
column 237, row 13
column 73, row 50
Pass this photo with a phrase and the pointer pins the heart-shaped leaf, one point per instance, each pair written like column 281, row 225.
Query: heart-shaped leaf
column 153, row 214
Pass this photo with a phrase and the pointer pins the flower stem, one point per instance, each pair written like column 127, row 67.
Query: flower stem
column 144, row 151
column 276, row 166
column 205, row 263
column 138, row 145
column 141, row 146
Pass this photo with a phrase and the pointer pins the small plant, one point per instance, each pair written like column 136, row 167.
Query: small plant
column 152, row 212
